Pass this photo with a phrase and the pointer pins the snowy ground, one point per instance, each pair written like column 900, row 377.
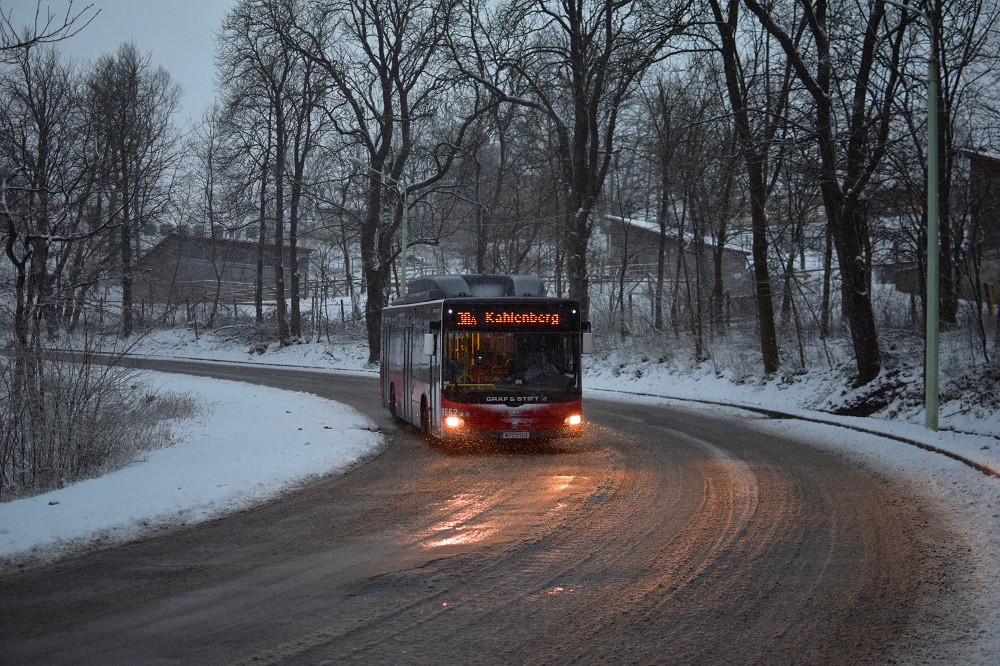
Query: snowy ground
column 254, row 442
column 248, row 444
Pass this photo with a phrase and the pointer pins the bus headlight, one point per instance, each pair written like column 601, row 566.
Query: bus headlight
column 452, row 421
column 574, row 420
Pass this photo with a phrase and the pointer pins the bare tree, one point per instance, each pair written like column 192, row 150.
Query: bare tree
column 209, row 177
column 131, row 105
column 250, row 127
column 575, row 63
column 275, row 93
column 697, row 166
column 965, row 42
column 336, row 206
column 758, row 108
column 851, row 76
column 384, row 62
column 307, row 128
column 40, row 112
column 261, row 71
column 504, row 196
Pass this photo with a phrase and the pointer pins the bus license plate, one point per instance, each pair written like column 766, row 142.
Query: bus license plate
column 515, row 434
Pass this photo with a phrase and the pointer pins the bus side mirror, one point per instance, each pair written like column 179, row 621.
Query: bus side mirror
column 587, row 345
column 430, row 344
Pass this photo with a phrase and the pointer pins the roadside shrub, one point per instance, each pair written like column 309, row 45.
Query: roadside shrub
column 72, row 416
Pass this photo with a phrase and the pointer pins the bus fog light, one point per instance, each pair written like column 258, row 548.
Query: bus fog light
column 574, row 420
column 452, row 421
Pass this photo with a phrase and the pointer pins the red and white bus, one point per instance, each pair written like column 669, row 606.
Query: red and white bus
column 484, row 356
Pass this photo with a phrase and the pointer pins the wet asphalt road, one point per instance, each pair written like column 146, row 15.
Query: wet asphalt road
column 662, row 536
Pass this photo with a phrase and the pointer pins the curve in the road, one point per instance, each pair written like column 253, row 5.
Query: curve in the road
column 662, row 536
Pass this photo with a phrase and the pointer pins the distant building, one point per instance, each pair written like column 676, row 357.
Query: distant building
column 984, row 231
column 984, row 190
column 185, row 266
column 640, row 238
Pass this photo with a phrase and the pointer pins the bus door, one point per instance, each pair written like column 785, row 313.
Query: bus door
column 434, row 370
column 406, row 390
column 385, row 369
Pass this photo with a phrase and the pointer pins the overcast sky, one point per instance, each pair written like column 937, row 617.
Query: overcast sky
column 177, row 34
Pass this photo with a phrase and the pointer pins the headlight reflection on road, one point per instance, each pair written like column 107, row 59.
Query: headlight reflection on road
column 467, row 517
column 461, row 526
column 561, row 482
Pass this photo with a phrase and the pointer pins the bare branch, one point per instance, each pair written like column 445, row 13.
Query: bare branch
column 47, row 27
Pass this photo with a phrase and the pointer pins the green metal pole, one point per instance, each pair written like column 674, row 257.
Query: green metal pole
column 931, row 360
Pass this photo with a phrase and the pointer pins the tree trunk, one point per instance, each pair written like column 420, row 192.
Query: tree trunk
column 280, row 148
column 295, row 324
column 757, row 184
column 577, row 242
column 824, row 322
column 262, row 232
column 375, row 266
column 125, row 247
column 856, row 292
column 718, row 292
column 762, row 274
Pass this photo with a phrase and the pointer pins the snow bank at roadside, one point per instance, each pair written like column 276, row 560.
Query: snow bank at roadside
column 248, row 445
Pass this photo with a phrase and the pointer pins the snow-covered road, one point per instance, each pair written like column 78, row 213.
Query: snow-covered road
column 252, row 442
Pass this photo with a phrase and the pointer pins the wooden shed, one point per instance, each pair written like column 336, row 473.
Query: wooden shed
column 640, row 239
column 191, row 267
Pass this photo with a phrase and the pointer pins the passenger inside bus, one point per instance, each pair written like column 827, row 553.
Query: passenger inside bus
column 540, row 367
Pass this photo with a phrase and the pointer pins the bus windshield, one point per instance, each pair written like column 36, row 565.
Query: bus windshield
column 510, row 362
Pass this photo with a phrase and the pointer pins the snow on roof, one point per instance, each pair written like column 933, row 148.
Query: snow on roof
column 654, row 228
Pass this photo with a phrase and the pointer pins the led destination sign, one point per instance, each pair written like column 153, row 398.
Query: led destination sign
column 489, row 317
column 464, row 318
